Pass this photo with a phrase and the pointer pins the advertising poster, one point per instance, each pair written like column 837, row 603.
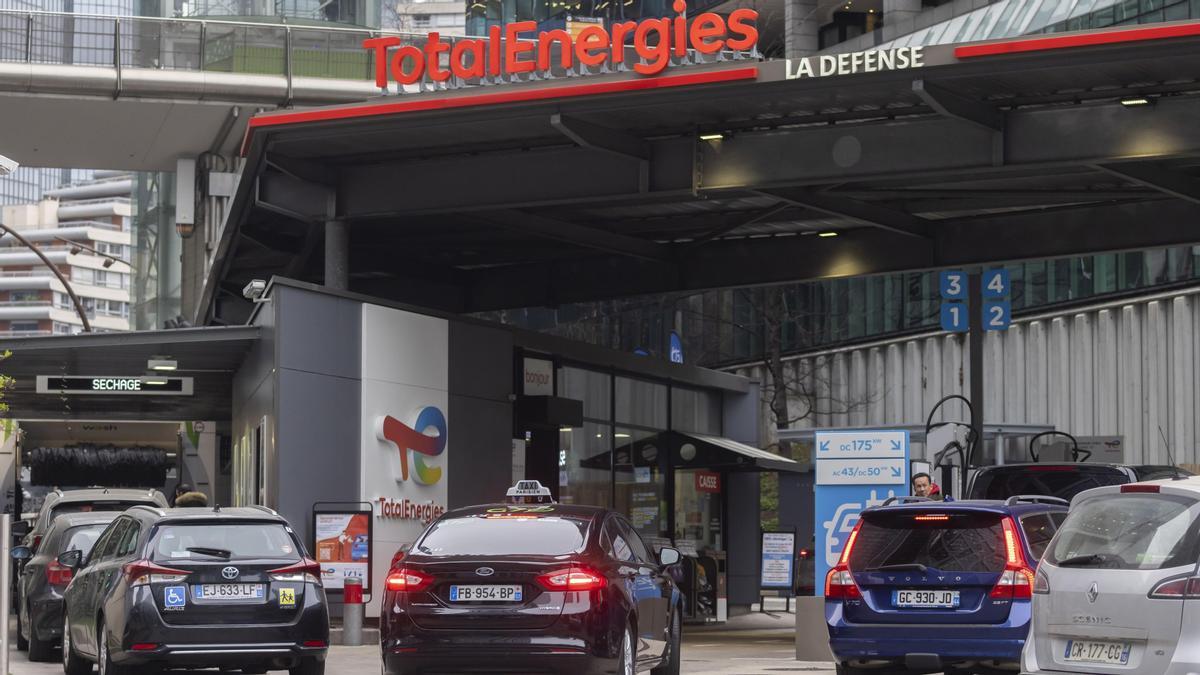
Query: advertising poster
column 343, row 548
column 778, row 560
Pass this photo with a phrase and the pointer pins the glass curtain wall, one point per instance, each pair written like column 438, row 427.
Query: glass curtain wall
column 620, row 457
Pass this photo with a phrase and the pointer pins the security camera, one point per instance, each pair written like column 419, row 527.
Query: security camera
column 254, row 290
column 7, row 165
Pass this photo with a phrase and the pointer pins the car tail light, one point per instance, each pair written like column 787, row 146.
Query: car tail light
column 1016, row 582
column 1136, row 487
column 144, row 646
column 839, row 583
column 577, row 578
column 35, row 542
column 305, row 571
column 58, row 575
column 396, row 559
column 405, row 580
column 1177, row 589
column 932, row 517
column 315, row 644
column 144, row 573
column 1041, row 583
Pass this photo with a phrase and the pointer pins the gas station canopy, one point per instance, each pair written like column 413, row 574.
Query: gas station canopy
column 582, row 188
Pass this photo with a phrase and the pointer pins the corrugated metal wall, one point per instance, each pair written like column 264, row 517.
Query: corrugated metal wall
column 1125, row 368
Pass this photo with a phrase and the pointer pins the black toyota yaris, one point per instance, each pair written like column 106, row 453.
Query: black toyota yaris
column 531, row 588
column 195, row 588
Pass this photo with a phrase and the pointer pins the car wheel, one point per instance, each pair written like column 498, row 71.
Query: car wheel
column 39, row 650
column 670, row 664
column 73, row 664
column 104, row 658
column 22, row 643
column 627, row 657
column 308, row 667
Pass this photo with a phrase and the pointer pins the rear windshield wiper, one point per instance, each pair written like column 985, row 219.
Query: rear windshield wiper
column 905, row 567
column 214, row 552
column 1083, row 560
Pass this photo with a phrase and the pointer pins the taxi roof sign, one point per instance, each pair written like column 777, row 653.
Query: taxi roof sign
column 529, row 488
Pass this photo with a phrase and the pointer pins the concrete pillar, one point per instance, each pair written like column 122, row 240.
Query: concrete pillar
column 801, row 23
column 896, row 12
column 337, row 255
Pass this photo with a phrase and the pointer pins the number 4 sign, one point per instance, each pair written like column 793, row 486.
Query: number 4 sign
column 997, row 310
column 995, row 284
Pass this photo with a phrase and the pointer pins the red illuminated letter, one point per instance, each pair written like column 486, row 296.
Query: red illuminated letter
column 680, row 38
column 708, row 25
column 545, row 41
column 513, row 48
column 658, row 55
column 398, row 58
column 590, row 41
column 619, row 31
column 380, row 45
column 459, row 67
column 434, row 47
column 743, row 34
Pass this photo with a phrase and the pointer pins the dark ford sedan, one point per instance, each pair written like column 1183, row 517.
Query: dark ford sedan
column 43, row 580
column 545, row 588
column 195, row 588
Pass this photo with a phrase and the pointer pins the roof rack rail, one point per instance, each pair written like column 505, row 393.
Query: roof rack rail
column 1035, row 499
column 905, row 499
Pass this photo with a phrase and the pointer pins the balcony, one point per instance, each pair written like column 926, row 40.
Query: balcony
column 24, row 333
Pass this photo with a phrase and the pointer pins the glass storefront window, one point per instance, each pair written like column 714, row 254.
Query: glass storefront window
column 639, row 466
column 584, row 471
column 696, row 411
column 698, row 509
column 590, row 386
column 641, row 403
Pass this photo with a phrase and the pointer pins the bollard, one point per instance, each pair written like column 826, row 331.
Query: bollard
column 5, row 581
column 352, row 612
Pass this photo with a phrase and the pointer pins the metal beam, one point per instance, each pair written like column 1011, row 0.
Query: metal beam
column 1153, row 175
column 864, row 212
column 596, row 137
column 952, row 104
column 579, row 235
column 734, row 223
column 726, row 263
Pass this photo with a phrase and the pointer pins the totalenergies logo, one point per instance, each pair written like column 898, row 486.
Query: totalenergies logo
column 418, row 440
column 502, row 52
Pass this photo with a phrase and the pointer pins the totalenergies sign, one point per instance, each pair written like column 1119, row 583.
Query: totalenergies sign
column 416, row 440
column 502, row 52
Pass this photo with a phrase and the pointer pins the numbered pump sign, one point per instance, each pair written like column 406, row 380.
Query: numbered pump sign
column 996, row 309
column 855, row 470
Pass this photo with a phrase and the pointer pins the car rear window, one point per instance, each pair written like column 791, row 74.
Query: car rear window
column 485, row 535
column 89, row 507
column 207, row 541
column 1139, row 531
column 951, row 542
column 83, row 538
column 1062, row 481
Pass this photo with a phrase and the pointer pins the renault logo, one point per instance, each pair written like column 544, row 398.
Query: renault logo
column 230, row 573
column 485, row 571
column 1093, row 592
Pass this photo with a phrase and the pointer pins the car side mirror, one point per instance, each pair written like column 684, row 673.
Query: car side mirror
column 22, row 553
column 21, row 528
column 669, row 556
column 71, row 559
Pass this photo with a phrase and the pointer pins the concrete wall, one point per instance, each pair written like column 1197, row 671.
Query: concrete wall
column 742, row 511
column 1124, row 368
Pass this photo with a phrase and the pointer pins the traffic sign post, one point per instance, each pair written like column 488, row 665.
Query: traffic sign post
column 854, row 471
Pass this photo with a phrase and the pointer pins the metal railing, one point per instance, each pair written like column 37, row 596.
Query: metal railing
column 234, row 47
column 24, row 333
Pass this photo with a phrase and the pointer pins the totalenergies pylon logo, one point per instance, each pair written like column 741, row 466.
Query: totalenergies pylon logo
column 417, row 439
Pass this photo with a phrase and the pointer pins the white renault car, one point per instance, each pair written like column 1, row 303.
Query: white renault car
column 1118, row 590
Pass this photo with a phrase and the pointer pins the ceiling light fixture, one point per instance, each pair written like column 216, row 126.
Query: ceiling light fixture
column 154, row 379
column 162, row 363
column 712, row 137
column 1134, row 101
column 827, row 234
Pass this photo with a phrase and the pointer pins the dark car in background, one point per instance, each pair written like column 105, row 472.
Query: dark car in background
column 87, row 500
column 43, row 579
column 1059, row 479
column 928, row 587
column 531, row 588
column 195, row 588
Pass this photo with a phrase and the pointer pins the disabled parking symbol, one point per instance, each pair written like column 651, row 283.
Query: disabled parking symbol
column 175, row 597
